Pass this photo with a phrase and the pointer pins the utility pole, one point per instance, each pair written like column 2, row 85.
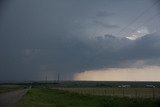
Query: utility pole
column 58, row 77
column 46, row 77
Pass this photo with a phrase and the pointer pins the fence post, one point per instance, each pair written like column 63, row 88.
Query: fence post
column 123, row 91
column 136, row 93
column 113, row 91
column 153, row 92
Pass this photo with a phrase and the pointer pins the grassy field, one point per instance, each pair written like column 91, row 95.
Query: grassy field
column 44, row 97
column 121, row 92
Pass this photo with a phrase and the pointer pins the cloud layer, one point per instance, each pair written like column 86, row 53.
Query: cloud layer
column 50, row 37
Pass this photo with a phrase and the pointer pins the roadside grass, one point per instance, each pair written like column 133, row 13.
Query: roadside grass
column 44, row 97
column 7, row 88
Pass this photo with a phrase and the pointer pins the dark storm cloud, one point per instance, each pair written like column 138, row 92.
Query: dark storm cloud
column 105, row 25
column 157, row 3
column 104, row 14
column 38, row 37
column 113, row 52
column 3, row 3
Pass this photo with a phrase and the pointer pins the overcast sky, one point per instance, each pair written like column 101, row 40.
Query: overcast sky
column 41, row 38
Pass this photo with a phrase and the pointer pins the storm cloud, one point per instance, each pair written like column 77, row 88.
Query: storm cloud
column 40, row 38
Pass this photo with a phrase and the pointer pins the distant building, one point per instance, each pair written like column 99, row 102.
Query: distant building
column 124, row 86
column 150, row 86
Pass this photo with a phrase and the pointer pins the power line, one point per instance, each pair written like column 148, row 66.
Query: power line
column 140, row 15
column 58, row 78
column 147, row 21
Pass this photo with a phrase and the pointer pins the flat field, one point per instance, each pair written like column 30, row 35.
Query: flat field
column 47, row 97
column 121, row 92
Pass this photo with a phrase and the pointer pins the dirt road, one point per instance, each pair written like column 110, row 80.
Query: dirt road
column 11, row 98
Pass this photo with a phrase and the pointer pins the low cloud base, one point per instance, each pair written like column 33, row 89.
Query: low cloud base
column 149, row 73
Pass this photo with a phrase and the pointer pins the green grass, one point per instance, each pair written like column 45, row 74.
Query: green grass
column 43, row 97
